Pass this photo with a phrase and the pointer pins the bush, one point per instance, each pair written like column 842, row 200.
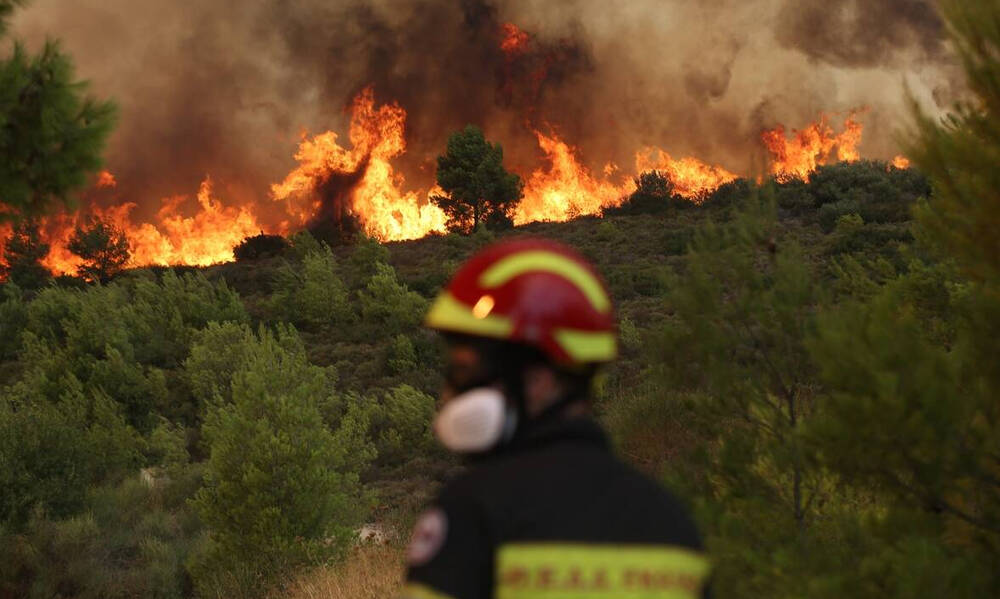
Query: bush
column 830, row 213
column 280, row 491
column 728, row 194
column 400, row 423
column 402, row 355
column 129, row 542
column 654, row 194
column 389, row 305
column 163, row 316
column 13, row 316
column 314, row 295
column 259, row 247
column 52, row 451
column 363, row 262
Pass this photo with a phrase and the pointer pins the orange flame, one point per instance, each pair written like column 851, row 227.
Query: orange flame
column 691, row 178
column 797, row 157
column 106, row 179
column 376, row 136
column 566, row 188
column 513, row 40
column 207, row 237
column 901, row 162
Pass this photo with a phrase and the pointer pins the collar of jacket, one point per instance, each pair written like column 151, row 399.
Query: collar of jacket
column 582, row 429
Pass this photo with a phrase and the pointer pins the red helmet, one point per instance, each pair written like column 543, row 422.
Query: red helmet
column 531, row 291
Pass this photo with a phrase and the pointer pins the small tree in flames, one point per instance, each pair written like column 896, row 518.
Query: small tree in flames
column 479, row 188
column 103, row 247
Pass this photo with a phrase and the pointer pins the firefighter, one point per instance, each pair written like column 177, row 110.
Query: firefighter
column 544, row 509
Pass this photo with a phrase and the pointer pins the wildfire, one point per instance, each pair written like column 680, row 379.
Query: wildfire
column 333, row 182
column 901, row 162
column 376, row 198
column 797, row 157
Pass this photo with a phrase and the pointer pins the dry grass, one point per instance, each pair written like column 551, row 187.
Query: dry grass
column 370, row 572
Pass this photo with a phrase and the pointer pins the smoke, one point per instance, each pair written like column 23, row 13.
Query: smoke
column 211, row 87
column 856, row 33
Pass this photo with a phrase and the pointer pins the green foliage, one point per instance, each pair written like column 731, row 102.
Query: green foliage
column 362, row 264
column 399, row 423
column 54, row 135
column 312, row 295
column 911, row 365
column 734, row 355
column 478, row 188
column 279, row 490
column 302, row 244
column 402, row 356
column 388, row 304
column 13, row 313
column 132, row 540
column 22, row 254
column 259, row 247
column 654, row 194
column 103, row 247
column 51, row 451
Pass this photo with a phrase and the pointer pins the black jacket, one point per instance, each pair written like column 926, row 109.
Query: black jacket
column 555, row 515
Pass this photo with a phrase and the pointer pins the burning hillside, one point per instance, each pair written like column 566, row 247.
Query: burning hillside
column 333, row 184
column 577, row 118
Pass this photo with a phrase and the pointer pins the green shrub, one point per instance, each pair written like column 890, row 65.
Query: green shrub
column 280, row 491
column 399, row 423
column 129, row 542
column 313, row 295
column 51, row 451
column 260, row 246
column 388, row 305
column 363, row 262
column 402, row 355
column 830, row 213
column 13, row 318
column 302, row 244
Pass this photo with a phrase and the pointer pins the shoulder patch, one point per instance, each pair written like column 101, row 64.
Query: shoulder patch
column 428, row 537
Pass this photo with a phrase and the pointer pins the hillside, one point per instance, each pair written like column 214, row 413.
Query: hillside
column 138, row 375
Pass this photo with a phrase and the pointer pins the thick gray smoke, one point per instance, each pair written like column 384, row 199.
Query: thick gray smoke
column 213, row 87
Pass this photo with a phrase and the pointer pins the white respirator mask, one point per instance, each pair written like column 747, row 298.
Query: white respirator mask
column 475, row 421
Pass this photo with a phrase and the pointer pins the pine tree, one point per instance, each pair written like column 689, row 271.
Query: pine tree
column 281, row 490
column 103, row 247
column 913, row 411
column 53, row 134
column 734, row 356
column 480, row 190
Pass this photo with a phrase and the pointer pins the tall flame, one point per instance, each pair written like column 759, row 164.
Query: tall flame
column 566, row 188
column 798, row 156
column 377, row 199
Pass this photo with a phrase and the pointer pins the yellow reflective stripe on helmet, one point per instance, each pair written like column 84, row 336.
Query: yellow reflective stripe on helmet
column 587, row 346
column 450, row 314
column 414, row 590
column 576, row 571
column 541, row 260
